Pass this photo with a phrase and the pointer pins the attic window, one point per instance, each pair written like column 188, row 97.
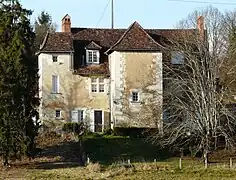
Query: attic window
column 92, row 56
column 54, row 58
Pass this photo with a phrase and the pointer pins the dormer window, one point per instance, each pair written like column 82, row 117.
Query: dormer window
column 92, row 56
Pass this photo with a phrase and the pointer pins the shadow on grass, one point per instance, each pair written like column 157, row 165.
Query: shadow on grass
column 103, row 149
column 63, row 155
column 108, row 150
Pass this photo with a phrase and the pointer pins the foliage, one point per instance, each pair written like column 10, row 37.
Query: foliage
column 42, row 25
column 109, row 149
column 18, row 81
column 134, row 131
column 78, row 128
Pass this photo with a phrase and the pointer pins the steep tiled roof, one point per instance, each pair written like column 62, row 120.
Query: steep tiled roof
column 103, row 37
column 57, row 42
column 136, row 38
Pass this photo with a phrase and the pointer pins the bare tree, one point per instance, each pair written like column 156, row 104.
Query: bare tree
column 193, row 96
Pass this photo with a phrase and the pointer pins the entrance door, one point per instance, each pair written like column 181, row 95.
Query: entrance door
column 98, row 121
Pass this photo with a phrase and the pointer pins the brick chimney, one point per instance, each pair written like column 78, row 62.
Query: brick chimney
column 200, row 27
column 66, row 24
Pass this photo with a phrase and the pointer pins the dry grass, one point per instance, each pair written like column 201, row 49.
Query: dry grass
column 94, row 167
column 159, row 170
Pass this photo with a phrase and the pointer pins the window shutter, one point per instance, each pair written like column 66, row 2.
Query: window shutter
column 55, row 83
column 74, row 116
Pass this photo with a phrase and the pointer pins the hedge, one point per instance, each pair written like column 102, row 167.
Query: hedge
column 134, row 131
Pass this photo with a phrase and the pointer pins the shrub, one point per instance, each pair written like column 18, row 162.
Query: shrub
column 73, row 127
column 108, row 132
column 134, row 131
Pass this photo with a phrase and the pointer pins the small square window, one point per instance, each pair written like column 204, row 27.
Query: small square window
column 58, row 113
column 94, row 87
column 135, row 97
column 101, row 87
column 54, row 58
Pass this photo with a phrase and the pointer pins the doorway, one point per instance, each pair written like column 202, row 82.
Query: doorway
column 97, row 121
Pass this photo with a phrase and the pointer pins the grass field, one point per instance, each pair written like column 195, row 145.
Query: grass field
column 109, row 156
column 192, row 169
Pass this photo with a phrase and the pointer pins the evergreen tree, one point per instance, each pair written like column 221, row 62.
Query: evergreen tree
column 42, row 25
column 18, row 80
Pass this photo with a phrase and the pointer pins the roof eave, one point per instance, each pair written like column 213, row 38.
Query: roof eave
column 39, row 52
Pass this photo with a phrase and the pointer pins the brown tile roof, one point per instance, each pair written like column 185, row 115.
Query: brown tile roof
column 103, row 37
column 136, row 38
column 57, row 42
column 94, row 69
column 133, row 38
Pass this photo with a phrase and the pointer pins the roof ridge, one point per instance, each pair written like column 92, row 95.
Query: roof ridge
column 44, row 41
column 119, row 40
column 126, row 32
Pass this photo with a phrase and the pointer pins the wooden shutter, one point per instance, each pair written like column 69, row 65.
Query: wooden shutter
column 74, row 116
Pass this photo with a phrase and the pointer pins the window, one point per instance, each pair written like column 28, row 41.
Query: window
column 135, row 97
column 92, row 56
column 77, row 116
column 94, row 84
column 177, row 58
column 54, row 58
column 55, row 84
column 80, row 115
column 97, row 84
column 58, row 113
column 101, row 85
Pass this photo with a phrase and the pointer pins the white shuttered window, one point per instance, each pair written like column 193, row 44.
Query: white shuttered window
column 55, row 84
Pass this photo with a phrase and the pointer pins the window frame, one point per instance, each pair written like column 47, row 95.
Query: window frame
column 80, row 115
column 97, row 83
column 57, row 110
column 55, row 90
column 54, row 56
column 93, row 53
column 132, row 96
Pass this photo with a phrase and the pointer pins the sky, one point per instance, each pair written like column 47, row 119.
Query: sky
column 158, row 14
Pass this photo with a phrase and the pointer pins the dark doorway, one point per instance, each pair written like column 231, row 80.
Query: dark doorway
column 98, row 121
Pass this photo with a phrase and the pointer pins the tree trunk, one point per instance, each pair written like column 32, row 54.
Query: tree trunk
column 205, row 157
column 6, row 163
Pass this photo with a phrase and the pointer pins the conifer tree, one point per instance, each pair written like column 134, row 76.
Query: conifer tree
column 18, row 80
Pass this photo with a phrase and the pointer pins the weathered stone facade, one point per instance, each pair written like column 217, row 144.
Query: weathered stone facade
column 74, row 91
column 125, row 64
column 140, row 72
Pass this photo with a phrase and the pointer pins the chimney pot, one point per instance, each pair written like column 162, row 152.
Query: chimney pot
column 200, row 26
column 66, row 24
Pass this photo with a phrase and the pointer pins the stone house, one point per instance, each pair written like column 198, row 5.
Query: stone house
column 104, row 77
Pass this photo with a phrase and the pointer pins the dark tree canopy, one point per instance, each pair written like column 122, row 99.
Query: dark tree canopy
column 18, row 81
